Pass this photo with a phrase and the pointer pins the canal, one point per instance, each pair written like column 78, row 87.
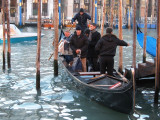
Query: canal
column 58, row 99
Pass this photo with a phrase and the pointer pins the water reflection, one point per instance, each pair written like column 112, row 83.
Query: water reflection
column 58, row 98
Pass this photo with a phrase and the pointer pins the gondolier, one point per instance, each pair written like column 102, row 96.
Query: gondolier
column 82, row 18
column 106, row 47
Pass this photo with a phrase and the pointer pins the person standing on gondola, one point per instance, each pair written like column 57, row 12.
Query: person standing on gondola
column 106, row 48
column 82, row 18
column 92, row 55
column 79, row 45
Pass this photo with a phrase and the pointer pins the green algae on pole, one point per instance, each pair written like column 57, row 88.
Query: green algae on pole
column 38, row 46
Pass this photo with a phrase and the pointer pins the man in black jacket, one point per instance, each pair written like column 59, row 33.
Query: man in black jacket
column 92, row 56
column 81, row 17
column 79, row 45
column 106, row 47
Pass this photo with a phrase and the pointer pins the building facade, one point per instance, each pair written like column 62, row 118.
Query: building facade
column 70, row 7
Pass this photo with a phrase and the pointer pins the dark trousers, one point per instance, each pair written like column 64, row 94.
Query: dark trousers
column 93, row 62
column 106, row 61
column 68, row 58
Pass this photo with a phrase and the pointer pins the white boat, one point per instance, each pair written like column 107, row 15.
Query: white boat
column 17, row 36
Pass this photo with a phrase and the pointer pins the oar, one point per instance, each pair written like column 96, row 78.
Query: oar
column 71, row 27
column 59, row 41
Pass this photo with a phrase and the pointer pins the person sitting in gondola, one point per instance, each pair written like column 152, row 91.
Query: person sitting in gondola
column 106, row 48
column 67, row 51
column 79, row 45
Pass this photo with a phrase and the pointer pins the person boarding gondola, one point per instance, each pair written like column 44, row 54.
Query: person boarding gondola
column 106, row 48
column 82, row 18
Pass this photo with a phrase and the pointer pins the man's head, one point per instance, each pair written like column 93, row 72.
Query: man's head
column 109, row 30
column 67, row 33
column 78, row 30
column 87, row 32
column 81, row 11
column 93, row 26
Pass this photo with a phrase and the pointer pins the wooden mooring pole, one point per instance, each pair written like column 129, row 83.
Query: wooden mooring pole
column 93, row 11
column 134, row 34
column 157, row 80
column 4, row 37
column 112, row 13
column 129, row 18
column 120, row 69
column 8, row 36
column 134, row 49
column 103, row 18
column 38, row 46
column 55, row 38
column 145, row 34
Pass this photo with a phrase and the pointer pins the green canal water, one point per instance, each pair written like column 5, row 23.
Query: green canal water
column 58, row 99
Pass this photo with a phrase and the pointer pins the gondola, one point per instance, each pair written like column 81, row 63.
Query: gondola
column 150, row 43
column 114, row 92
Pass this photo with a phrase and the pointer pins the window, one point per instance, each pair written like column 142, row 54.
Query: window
column 13, row 8
column 87, row 5
column 44, row 7
column 76, row 5
column 35, row 7
column 76, row 1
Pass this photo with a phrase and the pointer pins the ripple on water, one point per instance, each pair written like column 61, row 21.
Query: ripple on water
column 27, row 106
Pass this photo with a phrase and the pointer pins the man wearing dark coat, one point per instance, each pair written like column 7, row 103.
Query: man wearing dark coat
column 79, row 45
column 106, row 48
column 92, row 55
column 82, row 18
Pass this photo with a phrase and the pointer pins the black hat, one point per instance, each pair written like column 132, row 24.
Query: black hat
column 78, row 27
column 87, row 31
column 109, row 30
column 94, row 24
column 81, row 10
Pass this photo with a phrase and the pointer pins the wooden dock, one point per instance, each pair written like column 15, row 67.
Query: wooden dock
column 145, row 69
